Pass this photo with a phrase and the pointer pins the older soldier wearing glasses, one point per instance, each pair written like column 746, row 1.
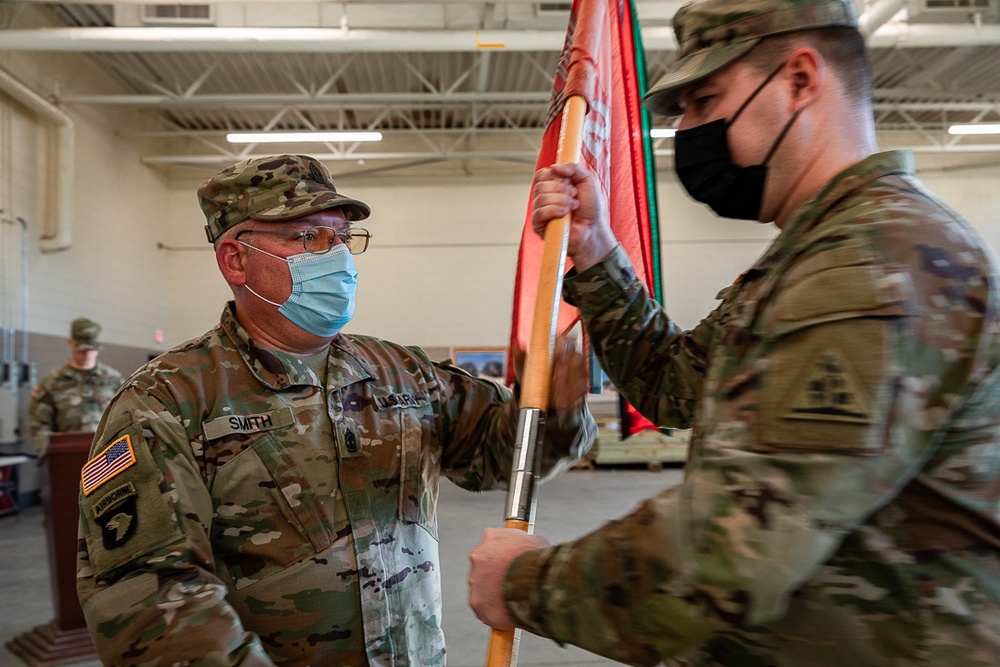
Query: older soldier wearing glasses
column 266, row 493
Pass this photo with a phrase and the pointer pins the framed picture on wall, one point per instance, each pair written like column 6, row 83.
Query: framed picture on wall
column 484, row 362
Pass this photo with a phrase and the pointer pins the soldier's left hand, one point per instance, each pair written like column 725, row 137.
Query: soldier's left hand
column 569, row 383
column 489, row 562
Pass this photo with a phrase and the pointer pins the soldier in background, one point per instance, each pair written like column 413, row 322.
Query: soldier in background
column 72, row 398
column 841, row 503
column 267, row 493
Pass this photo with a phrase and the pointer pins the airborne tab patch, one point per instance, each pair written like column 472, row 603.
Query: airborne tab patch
column 829, row 391
column 112, row 499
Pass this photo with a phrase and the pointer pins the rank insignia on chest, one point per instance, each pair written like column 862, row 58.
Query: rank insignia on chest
column 348, row 443
column 116, row 514
column 351, row 441
column 115, row 458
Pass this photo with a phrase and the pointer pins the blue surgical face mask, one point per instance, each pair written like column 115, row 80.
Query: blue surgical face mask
column 324, row 290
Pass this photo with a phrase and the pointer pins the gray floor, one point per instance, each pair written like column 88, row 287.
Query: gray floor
column 567, row 507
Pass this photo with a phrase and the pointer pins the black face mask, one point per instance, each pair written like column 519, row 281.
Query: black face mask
column 706, row 170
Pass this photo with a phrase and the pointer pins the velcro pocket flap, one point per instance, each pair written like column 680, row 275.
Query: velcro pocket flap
column 829, row 341
column 835, row 294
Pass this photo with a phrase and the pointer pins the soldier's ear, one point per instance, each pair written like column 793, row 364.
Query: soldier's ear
column 806, row 75
column 231, row 257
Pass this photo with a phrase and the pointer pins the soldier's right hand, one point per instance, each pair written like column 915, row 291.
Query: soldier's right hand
column 570, row 189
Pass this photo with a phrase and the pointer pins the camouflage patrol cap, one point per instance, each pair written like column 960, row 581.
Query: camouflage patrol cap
column 713, row 33
column 84, row 333
column 272, row 189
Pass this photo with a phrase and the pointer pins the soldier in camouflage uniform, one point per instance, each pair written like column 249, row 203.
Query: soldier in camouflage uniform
column 72, row 398
column 841, row 503
column 266, row 494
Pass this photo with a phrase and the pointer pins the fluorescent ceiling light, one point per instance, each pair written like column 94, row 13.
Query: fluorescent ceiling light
column 299, row 137
column 979, row 128
column 662, row 132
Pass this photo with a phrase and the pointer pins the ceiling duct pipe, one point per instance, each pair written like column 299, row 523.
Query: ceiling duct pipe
column 879, row 14
column 57, row 225
column 334, row 40
column 923, row 35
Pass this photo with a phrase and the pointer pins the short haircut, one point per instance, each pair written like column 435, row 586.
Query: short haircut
column 843, row 48
column 232, row 232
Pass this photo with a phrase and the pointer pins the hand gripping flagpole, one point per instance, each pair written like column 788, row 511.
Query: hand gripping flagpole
column 534, row 399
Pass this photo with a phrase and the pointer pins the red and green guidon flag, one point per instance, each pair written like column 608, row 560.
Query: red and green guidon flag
column 603, row 61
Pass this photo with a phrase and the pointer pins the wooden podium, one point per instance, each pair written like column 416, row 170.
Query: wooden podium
column 64, row 640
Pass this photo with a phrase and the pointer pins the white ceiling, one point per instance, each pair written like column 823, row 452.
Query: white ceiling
column 452, row 85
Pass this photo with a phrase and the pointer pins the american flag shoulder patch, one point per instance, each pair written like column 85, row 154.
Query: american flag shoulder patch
column 115, row 458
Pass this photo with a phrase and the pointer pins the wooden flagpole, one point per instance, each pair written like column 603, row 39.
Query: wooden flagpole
column 535, row 387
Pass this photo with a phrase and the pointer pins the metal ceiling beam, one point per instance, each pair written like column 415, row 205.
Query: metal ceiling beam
column 349, row 3
column 331, row 101
column 936, row 96
column 925, row 35
column 935, row 106
column 437, row 100
column 527, row 156
column 299, row 40
column 333, row 40
column 208, row 160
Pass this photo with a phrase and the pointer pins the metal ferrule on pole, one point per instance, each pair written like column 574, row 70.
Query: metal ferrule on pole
column 523, row 477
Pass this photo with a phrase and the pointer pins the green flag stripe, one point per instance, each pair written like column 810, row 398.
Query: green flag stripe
column 647, row 143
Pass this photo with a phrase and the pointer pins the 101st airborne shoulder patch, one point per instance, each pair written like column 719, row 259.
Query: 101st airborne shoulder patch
column 117, row 515
column 829, row 390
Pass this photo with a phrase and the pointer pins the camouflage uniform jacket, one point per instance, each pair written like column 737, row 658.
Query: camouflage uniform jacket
column 69, row 399
column 237, row 511
column 841, row 503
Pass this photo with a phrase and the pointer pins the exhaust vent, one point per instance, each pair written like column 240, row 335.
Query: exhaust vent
column 178, row 15
column 967, row 5
column 554, row 8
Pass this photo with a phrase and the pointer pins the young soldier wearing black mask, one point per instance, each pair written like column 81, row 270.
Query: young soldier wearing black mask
column 840, row 503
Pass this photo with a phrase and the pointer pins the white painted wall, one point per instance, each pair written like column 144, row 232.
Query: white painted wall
column 440, row 270
column 975, row 194
column 111, row 272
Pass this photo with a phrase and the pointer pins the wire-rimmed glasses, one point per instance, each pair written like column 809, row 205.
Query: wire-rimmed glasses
column 319, row 240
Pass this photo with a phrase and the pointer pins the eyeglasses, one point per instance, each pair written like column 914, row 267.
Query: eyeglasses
column 319, row 240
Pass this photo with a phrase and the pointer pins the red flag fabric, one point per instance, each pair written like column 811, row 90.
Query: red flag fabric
column 632, row 421
column 601, row 60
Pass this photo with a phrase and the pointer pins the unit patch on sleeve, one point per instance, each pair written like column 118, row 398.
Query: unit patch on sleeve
column 116, row 514
column 829, row 390
column 115, row 458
